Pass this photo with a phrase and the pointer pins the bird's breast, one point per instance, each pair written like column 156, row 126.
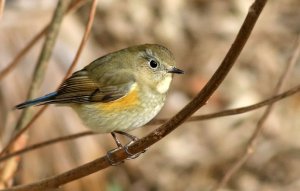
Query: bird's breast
column 133, row 110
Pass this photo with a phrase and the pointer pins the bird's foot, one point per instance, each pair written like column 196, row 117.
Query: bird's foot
column 109, row 157
column 131, row 155
column 132, row 138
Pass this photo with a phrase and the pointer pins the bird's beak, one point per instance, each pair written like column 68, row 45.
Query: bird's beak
column 175, row 70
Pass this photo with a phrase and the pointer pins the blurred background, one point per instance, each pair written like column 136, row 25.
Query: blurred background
column 197, row 154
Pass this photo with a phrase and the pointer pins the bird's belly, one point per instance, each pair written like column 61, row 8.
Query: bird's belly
column 117, row 116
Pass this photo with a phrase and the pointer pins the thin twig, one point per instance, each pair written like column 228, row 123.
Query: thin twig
column 75, row 61
column 43, row 60
column 140, row 145
column 22, row 53
column 41, row 66
column 42, row 63
column 47, row 143
column 19, row 133
column 3, row 73
column 236, row 111
column 223, row 113
column 2, row 5
column 84, row 39
column 260, row 124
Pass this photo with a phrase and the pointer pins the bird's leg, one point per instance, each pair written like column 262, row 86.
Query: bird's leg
column 133, row 139
column 119, row 144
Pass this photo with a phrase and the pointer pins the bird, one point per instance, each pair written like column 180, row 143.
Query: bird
column 118, row 92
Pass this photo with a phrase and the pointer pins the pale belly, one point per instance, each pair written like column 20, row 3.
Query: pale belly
column 102, row 119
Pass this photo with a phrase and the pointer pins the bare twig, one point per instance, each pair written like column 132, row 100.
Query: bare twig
column 47, row 143
column 84, row 38
column 11, row 167
column 140, row 145
column 236, row 111
column 20, row 55
column 44, row 58
column 42, row 63
column 33, row 119
column 223, row 113
column 260, row 124
column 75, row 5
column 2, row 5
column 21, row 132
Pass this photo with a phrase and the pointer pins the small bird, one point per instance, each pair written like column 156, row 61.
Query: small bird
column 117, row 92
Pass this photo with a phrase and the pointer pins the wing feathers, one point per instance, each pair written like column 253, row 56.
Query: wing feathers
column 91, row 84
column 81, row 88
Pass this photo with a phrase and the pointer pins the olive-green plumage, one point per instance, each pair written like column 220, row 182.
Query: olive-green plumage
column 120, row 91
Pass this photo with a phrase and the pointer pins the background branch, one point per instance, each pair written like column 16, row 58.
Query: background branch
column 76, row 4
column 236, row 111
column 40, row 69
column 251, row 147
column 2, row 5
column 3, row 73
column 41, row 66
column 47, row 143
column 209, row 116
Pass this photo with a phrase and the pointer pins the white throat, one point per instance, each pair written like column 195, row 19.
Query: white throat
column 164, row 85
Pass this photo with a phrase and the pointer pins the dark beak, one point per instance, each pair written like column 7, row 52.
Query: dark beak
column 175, row 71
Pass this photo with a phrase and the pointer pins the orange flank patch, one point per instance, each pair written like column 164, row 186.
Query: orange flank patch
column 126, row 102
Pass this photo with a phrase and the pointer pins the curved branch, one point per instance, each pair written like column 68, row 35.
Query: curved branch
column 223, row 113
column 40, row 68
column 240, row 110
column 44, row 57
column 76, row 4
column 251, row 147
column 46, row 143
column 3, row 73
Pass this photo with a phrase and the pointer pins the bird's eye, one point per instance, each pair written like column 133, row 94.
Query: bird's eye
column 153, row 64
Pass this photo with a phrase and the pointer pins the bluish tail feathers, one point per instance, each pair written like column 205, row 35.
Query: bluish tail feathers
column 38, row 101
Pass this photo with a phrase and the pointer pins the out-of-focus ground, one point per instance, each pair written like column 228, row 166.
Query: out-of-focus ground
column 196, row 155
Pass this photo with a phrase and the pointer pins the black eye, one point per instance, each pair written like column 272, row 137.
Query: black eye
column 153, row 64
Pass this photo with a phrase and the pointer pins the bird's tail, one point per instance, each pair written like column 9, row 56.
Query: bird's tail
column 38, row 101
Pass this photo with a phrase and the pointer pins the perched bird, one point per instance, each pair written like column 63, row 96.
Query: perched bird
column 117, row 92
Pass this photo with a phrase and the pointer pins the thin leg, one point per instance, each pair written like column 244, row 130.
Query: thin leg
column 125, row 147
column 131, row 137
column 118, row 142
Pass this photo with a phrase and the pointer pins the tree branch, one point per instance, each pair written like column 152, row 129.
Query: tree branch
column 47, row 143
column 2, row 5
column 236, row 111
column 42, row 63
column 260, row 124
column 209, row 116
column 76, row 4
column 3, row 73
column 41, row 66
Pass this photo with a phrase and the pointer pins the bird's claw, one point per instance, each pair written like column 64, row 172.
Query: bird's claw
column 126, row 149
column 131, row 155
column 109, row 158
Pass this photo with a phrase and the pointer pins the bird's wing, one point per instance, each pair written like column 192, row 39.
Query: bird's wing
column 82, row 87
